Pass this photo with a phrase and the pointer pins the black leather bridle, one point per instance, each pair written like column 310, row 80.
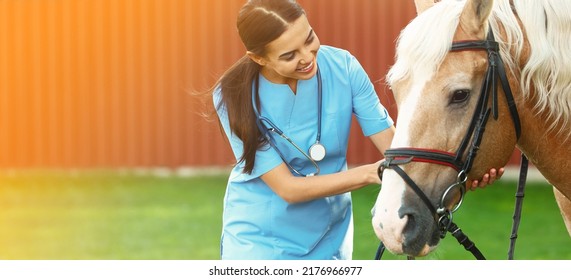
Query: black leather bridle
column 463, row 158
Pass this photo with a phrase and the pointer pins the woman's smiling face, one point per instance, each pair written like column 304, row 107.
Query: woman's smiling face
column 292, row 56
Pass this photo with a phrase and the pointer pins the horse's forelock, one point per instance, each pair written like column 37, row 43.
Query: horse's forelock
column 424, row 42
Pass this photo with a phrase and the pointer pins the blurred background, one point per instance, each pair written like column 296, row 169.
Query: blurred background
column 104, row 152
column 108, row 83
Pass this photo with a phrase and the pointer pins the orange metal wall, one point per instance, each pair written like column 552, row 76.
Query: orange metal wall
column 91, row 83
column 107, row 83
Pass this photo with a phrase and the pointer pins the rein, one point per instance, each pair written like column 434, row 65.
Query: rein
column 468, row 147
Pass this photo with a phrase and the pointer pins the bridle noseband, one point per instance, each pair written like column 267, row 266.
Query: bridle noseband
column 463, row 158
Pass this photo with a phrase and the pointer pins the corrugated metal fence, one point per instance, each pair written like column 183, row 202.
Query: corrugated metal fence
column 107, row 83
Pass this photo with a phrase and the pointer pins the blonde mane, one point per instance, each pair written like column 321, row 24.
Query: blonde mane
column 423, row 44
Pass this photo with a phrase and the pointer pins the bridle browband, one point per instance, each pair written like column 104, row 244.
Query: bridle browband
column 463, row 158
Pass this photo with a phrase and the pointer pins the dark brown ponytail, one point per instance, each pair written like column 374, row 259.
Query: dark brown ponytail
column 259, row 23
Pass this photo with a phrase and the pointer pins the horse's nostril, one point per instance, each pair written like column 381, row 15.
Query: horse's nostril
column 419, row 230
column 413, row 232
column 410, row 225
column 410, row 222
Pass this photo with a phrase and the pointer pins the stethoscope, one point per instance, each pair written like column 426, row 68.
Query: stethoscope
column 316, row 151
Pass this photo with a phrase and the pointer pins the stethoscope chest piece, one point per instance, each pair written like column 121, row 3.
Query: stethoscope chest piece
column 317, row 151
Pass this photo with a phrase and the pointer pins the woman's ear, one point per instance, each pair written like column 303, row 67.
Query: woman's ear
column 256, row 58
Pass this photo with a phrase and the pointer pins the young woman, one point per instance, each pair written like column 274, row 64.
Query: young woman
column 286, row 108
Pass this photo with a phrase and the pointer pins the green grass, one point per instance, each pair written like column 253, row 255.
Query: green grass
column 105, row 215
column 113, row 215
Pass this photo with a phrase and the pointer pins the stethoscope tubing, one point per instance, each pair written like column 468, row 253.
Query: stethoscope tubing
column 260, row 120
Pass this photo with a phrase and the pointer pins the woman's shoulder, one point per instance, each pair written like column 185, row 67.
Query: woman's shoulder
column 335, row 59
column 334, row 52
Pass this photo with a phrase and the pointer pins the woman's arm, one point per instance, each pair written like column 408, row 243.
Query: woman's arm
column 383, row 139
column 300, row 189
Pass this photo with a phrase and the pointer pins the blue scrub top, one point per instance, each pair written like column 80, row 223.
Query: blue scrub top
column 257, row 223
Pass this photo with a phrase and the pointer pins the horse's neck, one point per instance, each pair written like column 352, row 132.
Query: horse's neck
column 547, row 150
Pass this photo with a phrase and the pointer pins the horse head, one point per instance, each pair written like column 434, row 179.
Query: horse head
column 442, row 116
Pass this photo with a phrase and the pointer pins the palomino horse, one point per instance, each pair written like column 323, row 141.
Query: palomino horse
column 462, row 68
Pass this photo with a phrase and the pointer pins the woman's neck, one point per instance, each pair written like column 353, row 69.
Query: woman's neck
column 275, row 78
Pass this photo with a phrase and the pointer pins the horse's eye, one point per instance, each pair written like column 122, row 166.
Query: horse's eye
column 460, row 96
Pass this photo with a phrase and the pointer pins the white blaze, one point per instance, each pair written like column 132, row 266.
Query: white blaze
column 386, row 221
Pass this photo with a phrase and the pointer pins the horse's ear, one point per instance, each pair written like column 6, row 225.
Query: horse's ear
column 475, row 16
column 423, row 5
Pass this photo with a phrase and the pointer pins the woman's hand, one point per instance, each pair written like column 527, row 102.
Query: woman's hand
column 488, row 179
column 372, row 172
